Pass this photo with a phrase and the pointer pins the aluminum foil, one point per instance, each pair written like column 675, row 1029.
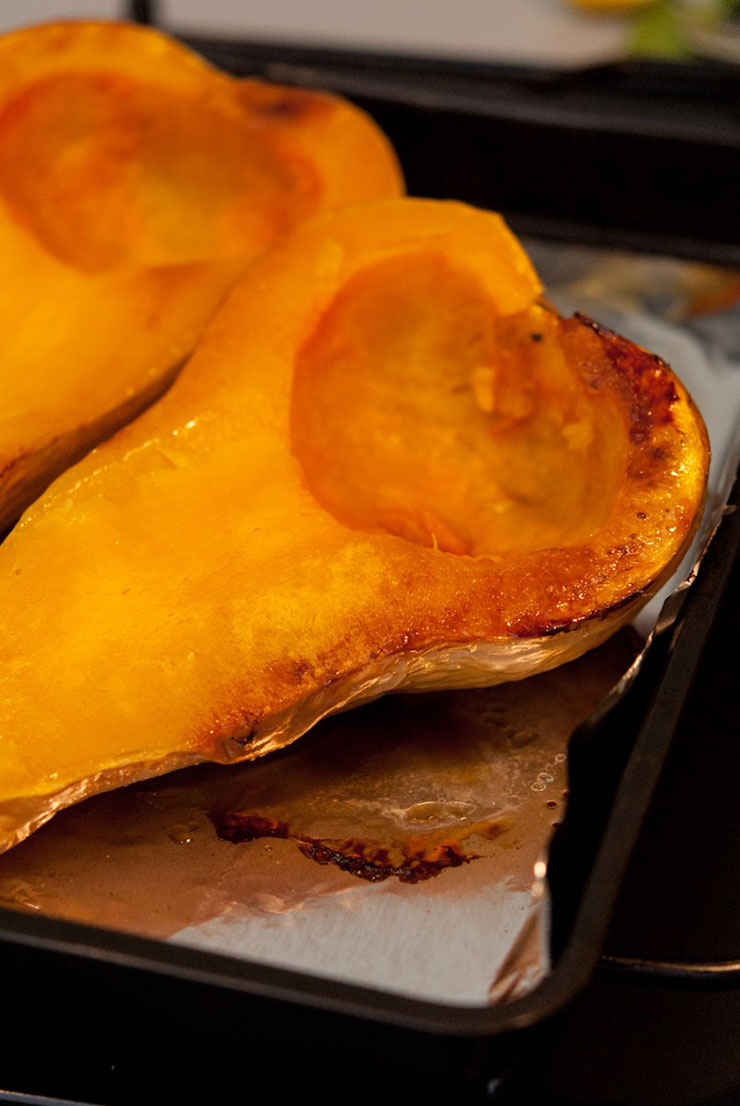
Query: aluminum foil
column 402, row 845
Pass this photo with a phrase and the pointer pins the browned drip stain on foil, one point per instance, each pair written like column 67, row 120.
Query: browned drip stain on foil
column 408, row 787
column 417, row 858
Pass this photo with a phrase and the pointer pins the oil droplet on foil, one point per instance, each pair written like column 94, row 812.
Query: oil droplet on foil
column 183, row 834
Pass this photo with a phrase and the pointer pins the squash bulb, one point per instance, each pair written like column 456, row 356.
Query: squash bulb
column 136, row 182
column 387, row 465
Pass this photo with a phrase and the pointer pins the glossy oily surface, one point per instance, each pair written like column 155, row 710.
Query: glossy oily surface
column 190, row 591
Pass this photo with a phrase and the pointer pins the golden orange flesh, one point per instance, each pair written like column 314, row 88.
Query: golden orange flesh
column 136, row 182
column 386, row 465
column 540, row 460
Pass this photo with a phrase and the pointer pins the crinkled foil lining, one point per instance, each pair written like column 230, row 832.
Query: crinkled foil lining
column 403, row 844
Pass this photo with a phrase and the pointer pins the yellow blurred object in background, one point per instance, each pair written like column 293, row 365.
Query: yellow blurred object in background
column 611, row 6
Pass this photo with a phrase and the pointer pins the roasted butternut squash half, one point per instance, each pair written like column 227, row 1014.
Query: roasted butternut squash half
column 136, row 182
column 387, row 465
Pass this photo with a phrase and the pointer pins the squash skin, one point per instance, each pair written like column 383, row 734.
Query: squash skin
column 104, row 294
column 183, row 595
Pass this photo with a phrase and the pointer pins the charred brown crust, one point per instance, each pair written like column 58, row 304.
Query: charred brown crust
column 568, row 625
column 281, row 104
column 419, row 859
column 644, row 380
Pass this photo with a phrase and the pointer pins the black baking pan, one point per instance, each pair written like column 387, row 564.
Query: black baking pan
column 642, row 156
column 96, row 1016
column 111, row 1018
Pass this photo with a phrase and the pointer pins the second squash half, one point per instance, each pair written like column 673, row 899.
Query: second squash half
column 136, row 182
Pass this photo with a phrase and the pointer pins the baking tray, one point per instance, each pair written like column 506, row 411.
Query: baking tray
column 163, row 1023
column 639, row 155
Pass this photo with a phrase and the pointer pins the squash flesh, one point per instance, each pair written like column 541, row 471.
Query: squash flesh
column 542, row 456
column 136, row 182
column 185, row 592
column 104, row 177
